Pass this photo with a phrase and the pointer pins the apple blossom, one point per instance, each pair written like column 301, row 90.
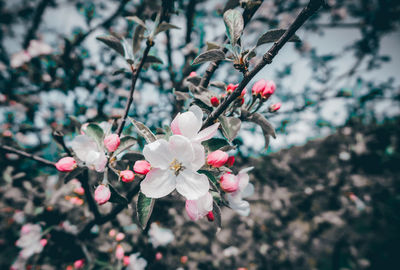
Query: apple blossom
column 66, row 164
column 119, row 252
column 229, row 182
column 127, row 176
column 199, row 208
column 189, row 123
column 245, row 189
column 141, row 167
column 174, row 166
column 217, row 158
column 159, row 236
column 111, row 142
column 87, row 150
column 30, row 240
column 159, row 256
column 102, row 194
column 136, row 262
column 275, row 107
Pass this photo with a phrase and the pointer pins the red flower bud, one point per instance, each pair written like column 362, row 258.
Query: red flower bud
column 43, row 242
column 269, row 89
column 210, row 216
column 231, row 87
column 111, row 142
column 217, row 158
column 214, row 101
column 275, row 107
column 126, row 261
column 192, row 74
column 127, row 176
column 66, row 164
column 159, row 256
column 102, row 194
column 78, row 264
column 230, row 161
column 229, row 182
column 258, row 87
column 184, row 259
column 141, row 167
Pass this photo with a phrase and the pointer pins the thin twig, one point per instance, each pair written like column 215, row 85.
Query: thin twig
column 306, row 13
column 27, row 155
column 84, row 179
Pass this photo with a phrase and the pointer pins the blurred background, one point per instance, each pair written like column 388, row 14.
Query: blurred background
column 327, row 189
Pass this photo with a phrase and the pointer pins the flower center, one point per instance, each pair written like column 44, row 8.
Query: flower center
column 176, row 166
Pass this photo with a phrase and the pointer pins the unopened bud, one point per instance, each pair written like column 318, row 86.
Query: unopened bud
column 230, row 161
column 217, row 158
column 111, row 142
column 141, row 167
column 78, row 264
column 274, row 107
column 214, row 101
column 231, row 87
column 120, row 236
column 102, row 194
column 258, row 87
column 127, row 176
column 210, row 216
column 229, row 182
column 66, row 164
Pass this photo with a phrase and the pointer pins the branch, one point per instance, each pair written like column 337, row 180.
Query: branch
column 35, row 23
column 136, row 73
column 84, row 179
column 306, row 13
column 27, row 155
column 212, row 67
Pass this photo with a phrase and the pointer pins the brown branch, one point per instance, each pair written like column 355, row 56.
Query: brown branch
column 27, row 155
column 84, row 180
column 306, row 13
column 30, row 34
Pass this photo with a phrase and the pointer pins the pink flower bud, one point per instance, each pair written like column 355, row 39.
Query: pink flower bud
column 120, row 236
column 141, row 167
column 214, row 101
column 79, row 190
column 230, row 161
column 127, row 176
column 269, row 89
column 231, row 87
column 112, row 232
column 159, row 256
column 184, row 259
column 217, row 158
column 258, row 87
column 229, row 182
column 66, row 164
column 102, row 194
column 78, row 264
column 126, row 261
column 43, row 242
column 210, row 216
column 274, row 107
column 192, row 74
column 119, row 252
column 111, row 142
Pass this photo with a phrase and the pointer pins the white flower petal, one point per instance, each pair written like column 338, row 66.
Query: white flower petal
column 199, row 157
column 158, row 183
column 197, row 112
column 181, row 149
column 158, row 154
column 175, row 125
column 248, row 191
column 191, row 184
column 83, row 146
column 189, row 124
column 197, row 209
column 207, row 133
column 243, row 181
column 240, row 206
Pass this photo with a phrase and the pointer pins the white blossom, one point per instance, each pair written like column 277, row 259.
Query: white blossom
column 136, row 262
column 160, row 236
column 245, row 190
column 87, row 150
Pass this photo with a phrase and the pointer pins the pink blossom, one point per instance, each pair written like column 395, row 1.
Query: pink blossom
column 102, row 194
column 79, row 190
column 112, row 232
column 127, row 176
column 275, row 107
column 111, row 142
column 78, row 264
column 192, row 74
column 66, row 164
column 119, row 252
column 159, row 256
column 19, row 59
column 199, row 208
column 231, row 87
column 120, row 236
column 229, row 182
column 269, row 89
column 259, row 87
column 141, row 167
column 43, row 242
column 126, row 261
column 217, row 158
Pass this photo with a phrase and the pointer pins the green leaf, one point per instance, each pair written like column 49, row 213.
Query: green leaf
column 266, row 126
column 119, row 71
column 114, row 43
column 274, row 35
column 153, row 60
column 234, row 25
column 144, row 208
column 230, row 126
column 116, row 197
column 211, row 55
column 164, row 26
column 143, row 130
column 215, row 144
column 136, row 20
column 137, row 38
column 95, row 132
column 212, row 45
column 126, row 143
column 217, row 216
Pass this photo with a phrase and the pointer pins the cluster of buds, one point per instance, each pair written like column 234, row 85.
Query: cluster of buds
column 263, row 89
column 215, row 101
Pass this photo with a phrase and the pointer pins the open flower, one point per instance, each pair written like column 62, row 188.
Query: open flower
column 30, row 240
column 136, row 262
column 174, row 165
column 245, row 189
column 189, row 123
column 159, row 236
column 199, row 208
column 87, row 150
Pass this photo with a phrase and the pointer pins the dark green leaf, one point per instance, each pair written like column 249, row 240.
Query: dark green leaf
column 144, row 208
column 153, row 60
column 230, row 126
column 274, row 35
column 211, row 55
column 234, row 25
column 215, row 144
column 217, row 216
column 113, row 43
column 136, row 20
column 181, row 95
column 143, row 131
column 126, row 143
column 72, row 175
column 119, row 71
column 164, row 26
column 231, row 4
column 95, row 132
column 267, row 128
column 116, row 197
